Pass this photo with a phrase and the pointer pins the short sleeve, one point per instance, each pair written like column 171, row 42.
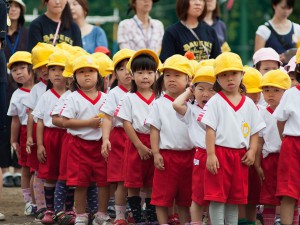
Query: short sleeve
column 30, row 101
column 68, row 110
column 58, row 107
column 281, row 113
column 124, row 109
column 168, row 46
column 209, row 115
column 257, row 123
column 187, row 117
column 39, row 110
column 122, row 35
column 153, row 118
column 297, row 30
column 264, row 32
column 76, row 35
column 110, row 105
column 34, row 34
column 13, row 109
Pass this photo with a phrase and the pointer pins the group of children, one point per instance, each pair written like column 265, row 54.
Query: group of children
column 182, row 136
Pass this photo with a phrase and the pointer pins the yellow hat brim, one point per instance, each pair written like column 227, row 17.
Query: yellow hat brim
column 40, row 64
column 67, row 74
column 229, row 69
column 56, row 64
column 141, row 52
column 175, row 68
column 11, row 63
column 207, row 79
column 274, row 85
column 253, row 90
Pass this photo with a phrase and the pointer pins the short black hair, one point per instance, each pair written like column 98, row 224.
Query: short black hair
column 182, row 7
column 290, row 3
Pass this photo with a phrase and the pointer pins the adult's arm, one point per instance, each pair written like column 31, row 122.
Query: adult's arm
column 215, row 49
column 122, row 36
column 35, row 34
column 261, row 36
column 101, row 39
column 168, row 47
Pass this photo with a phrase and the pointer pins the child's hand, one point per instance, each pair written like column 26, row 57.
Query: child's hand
column 106, row 147
column 248, row 158
column 260, row 173
column 41, row 153
column 94, row 122
column 190, row 92
column 16, row 147
column 212, row 164
column 29, row 143
column 144, row 152
column 159, row 161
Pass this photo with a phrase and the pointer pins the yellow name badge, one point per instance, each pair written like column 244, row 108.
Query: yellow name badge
column 245, row 129
column 8, row 21
column 101, row 116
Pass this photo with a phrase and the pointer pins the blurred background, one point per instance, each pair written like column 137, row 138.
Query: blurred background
column 242, row 18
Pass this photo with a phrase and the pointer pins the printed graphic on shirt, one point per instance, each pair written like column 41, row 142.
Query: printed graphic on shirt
column 197, row 48
column 245, row 129
column 60, row 38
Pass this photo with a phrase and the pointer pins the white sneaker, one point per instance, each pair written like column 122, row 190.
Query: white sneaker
column 2, row 217
column 102, row 220
column 29, row 209
column 82, row 220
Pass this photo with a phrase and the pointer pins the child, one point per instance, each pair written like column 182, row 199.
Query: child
column 226, row 178
column 274, row 84
column 114, row 136
column 81, row 117
column 133, row 109
column 49, row 136
column 203, row 90
column 247, row 213
column 171, row 145
column 40, row 55
column 290, row 68
column 288, row 183
column 21, row 70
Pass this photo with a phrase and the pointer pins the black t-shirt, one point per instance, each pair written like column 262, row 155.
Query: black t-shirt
column 178, row 39
column 43, row 29
column 3, row 22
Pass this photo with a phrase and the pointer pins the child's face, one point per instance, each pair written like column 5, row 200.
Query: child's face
column 203, row 92
column 175, row 82
column 293, row 79
column 42, row 72
column 254, row 96
column 230, row 80
column 87, row 77
column 268, row 65
column 144, row 79
column 124, row 78
column 20, row 73
column 272, row 95
column 55, row 76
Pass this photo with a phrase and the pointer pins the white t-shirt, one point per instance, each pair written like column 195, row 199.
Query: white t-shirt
column 45, row 106
column 265, row 32
column 60, row 103
column 270, row 133
column 289, row 110
column 79, row 106
column 112, row 101
column 135, row 108
column 174, row 134
column 36, row 92
column 233, row 124
column 16, row 106
column 196, row 130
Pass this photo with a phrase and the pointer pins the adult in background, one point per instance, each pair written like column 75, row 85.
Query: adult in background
column 279, row 33
column 54, row 26
column 141, row 31
column 92, row 36
column 16, row 40
column 190, row 33
column 212, row 19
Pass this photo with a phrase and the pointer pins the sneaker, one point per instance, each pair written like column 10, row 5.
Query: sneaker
column 102, row 220
column 173, row 220
column 39, row 214
column 30, row 209
column 62, row 218
column 2, row 217
column 48, row 217
column 120, row 222
column 82, row 220
column 205, row 220
column 111, row 208
column 153, row 223
column 8, row 181
column 72, row 215
column 17, row 180
column 277, row 221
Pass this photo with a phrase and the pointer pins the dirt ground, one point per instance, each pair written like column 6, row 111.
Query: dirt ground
column 12, row 206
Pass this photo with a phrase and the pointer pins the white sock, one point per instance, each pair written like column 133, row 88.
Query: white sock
column 216, row 213
column 231, row 214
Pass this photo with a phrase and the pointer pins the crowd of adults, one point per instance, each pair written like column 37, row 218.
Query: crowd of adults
column 199, row 29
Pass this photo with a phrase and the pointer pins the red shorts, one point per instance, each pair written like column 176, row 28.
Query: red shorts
column 23, row 156
column 53, row 138
column 288, row 179
column 115, row 162
column 254, row 186
column 33, row 161
column 85, row 163
column 64, row 157
column 175, row 182
column 268, row 189
column 230, row 184
column 138, row 173
column 198, row 176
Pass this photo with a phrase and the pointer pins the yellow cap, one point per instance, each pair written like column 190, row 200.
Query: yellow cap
column 77, row 52
column 204, row 74
column 178, row 63
column 58, row 58
column 140, row 52
column 85, row 61
column 252, row 80
column 64, row 46
column 20, row 56
column 40, row 54
column 207, row 62
column 105, row 63
column 194, row 65
column 298, row 56
column 124, row 53
column 276, row 78
column 227, row 61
